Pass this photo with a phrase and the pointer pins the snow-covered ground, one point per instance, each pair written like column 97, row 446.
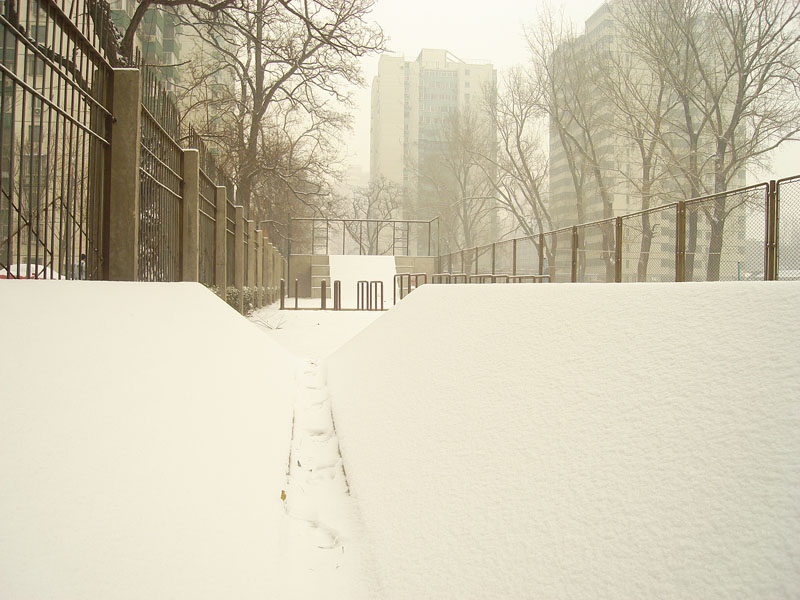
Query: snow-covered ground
column 475, row 441
column 577, row 441
column 144, row 431
column 312, row 334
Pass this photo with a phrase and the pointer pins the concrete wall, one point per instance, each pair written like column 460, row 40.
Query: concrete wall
column 300, row 269
column 418, row 264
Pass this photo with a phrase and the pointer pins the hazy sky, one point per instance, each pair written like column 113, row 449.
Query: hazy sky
column 487, row 30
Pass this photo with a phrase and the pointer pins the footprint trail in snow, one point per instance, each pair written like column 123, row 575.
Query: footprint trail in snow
column 317, row 499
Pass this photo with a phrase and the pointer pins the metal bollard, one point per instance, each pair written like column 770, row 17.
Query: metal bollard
column 337, row 295
column 324, row 294
column 295, row 294
column 283, row 293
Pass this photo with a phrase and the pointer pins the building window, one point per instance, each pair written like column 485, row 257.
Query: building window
column 466, row 84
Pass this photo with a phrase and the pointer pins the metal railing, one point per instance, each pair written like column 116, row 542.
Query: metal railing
column 54, row 141
column 386, row 237
column 160, row 181
column 746, row 233
column 230, row 241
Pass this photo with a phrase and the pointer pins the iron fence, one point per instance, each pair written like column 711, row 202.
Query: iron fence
column 160, row 172
column 207, row 258
column 230, row 243
column 748, row 233
column 54, row 140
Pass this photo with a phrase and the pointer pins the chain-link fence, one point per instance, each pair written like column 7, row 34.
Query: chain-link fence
column 648, row 245
column 717, row 230
column 527, row 257
column 788, row 257
column 749, row 233
column 595, row 252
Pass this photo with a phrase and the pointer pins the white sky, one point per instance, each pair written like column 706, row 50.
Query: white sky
column 472, row 30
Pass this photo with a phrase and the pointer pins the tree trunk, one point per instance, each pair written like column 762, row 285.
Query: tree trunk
column 718, row 222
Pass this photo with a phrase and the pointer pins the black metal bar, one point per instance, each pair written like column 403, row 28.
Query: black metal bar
column 618, row 251
column 283, row 293
column 296, row 284
column 324, row 294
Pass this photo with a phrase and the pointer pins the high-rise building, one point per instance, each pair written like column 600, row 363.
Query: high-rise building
column 412, row 102
column 157, row 37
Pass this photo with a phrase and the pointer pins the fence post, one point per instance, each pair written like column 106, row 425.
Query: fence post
column 252, row 252
column 283, row 293
column 259, row 266
column 289, row 247
column 121, row 224
column 429, row 238
column 191, row 215
column 275, row 273
column 323, row 294
column 494, row 255
column 574, row 277
column 771, row 251
column 238, row 254
column 264, row 269
column 618, row 250
column 476, row 261
column 541, row 254
column 221, row 241
column 680, row 241
column 514, row 257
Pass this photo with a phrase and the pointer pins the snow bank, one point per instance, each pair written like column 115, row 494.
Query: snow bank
column 312, row 333
column 144, row 431
column 352, row 269
column 554, row 441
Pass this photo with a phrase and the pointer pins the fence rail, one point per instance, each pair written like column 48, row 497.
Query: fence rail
column 746, row 233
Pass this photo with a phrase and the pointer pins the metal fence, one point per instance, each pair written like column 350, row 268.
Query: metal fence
column 788, row 218
column 749, row 233
column 230, row 242
column 211, row 176
column 160, row 181
column 54, row 140
column 390, row 237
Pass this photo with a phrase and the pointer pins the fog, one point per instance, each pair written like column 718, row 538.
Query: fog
column 491, row 31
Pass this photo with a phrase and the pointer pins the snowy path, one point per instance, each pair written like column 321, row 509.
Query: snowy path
column 320, row 555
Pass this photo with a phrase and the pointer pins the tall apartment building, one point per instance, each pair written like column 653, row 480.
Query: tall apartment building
column 620, row 164
column 411, row 101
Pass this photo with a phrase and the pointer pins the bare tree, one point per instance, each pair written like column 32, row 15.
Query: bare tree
column 732, row 69
column 379, row 201
column 641, row 99
column 289, row 68
column 519, row 165
column 565, row 68
column 460, row 180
